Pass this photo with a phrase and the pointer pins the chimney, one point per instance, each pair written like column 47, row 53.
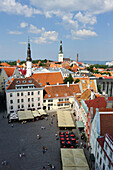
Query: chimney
column 57, row 83
column 77, row 57
column 67, row 83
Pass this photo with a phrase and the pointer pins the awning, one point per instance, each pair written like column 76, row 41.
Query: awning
column 80, row 124
column 73, row 159
column 36, row 113
column 65, row 119
column 25, row 115
column 42, row 112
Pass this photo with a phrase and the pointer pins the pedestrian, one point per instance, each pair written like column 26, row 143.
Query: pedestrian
column 43, row 167
column 12, row 125
column 53, row 167
column 56, row 135
column 44, row 149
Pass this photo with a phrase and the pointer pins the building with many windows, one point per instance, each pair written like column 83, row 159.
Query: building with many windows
column 104, row 154
column 23, row 94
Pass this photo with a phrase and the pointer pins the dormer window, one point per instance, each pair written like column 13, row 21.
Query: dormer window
column 56, row 95
column 30, row 81
column 49, row 95
column 65, row 94
column 17, row 81
column 83, row 81
column 24, row 81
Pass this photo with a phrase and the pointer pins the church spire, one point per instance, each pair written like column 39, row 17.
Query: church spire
column 60, row 51
column 29, row 52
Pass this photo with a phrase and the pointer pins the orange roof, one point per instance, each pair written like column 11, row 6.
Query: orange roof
column 98, row 75
column 9, row 71
column 5, row 64
column 61, row 91
column 18, row 61
column 85, row 81
column 51, row 78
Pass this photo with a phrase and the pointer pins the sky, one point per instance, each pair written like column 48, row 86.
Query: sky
column 84, row 26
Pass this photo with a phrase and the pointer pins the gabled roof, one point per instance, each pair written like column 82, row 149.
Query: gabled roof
column 18, row 61
column 9, row 71
column 5, row 64
column 22, row 81
column 51, row 78
column 61, row 91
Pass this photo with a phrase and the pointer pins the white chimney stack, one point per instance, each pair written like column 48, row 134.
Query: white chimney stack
column 68, row 84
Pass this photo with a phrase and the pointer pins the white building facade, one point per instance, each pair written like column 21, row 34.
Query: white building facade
column 24, row 94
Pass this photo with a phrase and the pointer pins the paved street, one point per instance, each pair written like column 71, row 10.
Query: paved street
column 23, row 138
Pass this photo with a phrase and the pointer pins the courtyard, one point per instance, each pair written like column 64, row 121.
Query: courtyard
column 22, row 138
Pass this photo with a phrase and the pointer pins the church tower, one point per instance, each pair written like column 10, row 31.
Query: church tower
column 29, row 61
column 60, row 55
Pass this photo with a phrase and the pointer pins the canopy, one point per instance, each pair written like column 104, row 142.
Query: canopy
column 73, row 159
column 80, row 124
column 36, row 113
column 24, row 115
column 65, row 119
column 42, row 112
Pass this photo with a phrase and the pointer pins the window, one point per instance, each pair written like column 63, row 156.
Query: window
column 22, row 94
column 38, row 98
column 11, row 95
column 28, row 93
column 83, row 81
column 61, row 104
column 32, row 99
column 106, row 147
column 67, row 99
column 97, row 155
column 101, row 151
column 11, row 101
column 18, row 106
column 17, row 81
column 17, row 94
column 109, row 165
column 103, row 166
column 30, row 81
column 28, row 105
column 18, row 100
column 66, row 104
column 44, row 101
column 104, row 157
column 50, row 100
column 33, row 105
column 22, row 100
column 32, row 93
column 11, row 107
column 110, row 154
column 60, row 100
column 98, row 145
column 100, row 161
column 24, row 81
column 38, row 92
column 50, row 104
column 28, row 99
column 22, row 106
column 38, row 104
column 65, row 94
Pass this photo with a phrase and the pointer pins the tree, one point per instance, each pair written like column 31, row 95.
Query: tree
column 68, row 79
column 99, row 88
column 77, row 80
column 90, row 68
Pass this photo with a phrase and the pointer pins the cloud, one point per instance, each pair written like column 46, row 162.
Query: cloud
column 11, row 6
column 94, row 6
column 85, row 19
column 46, row 37
column 23, row 42
column 15, row 32
column 23, row 24
column 33, row 29
column 108, row 24
column 83, row 33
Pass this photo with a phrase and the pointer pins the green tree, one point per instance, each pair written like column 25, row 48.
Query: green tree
column 68, row 79
column 90, row 68
column 77, row 80
column 99, row 88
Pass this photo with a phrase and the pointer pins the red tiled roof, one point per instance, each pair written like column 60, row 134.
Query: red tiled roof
column 61, row 91
column 106, row 123
column 9, row 71
column 18, row 61
column 51, row 78
column 5, row 64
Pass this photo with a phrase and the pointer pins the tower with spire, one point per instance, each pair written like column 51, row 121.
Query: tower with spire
column 29, row 61
column 60, row 54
